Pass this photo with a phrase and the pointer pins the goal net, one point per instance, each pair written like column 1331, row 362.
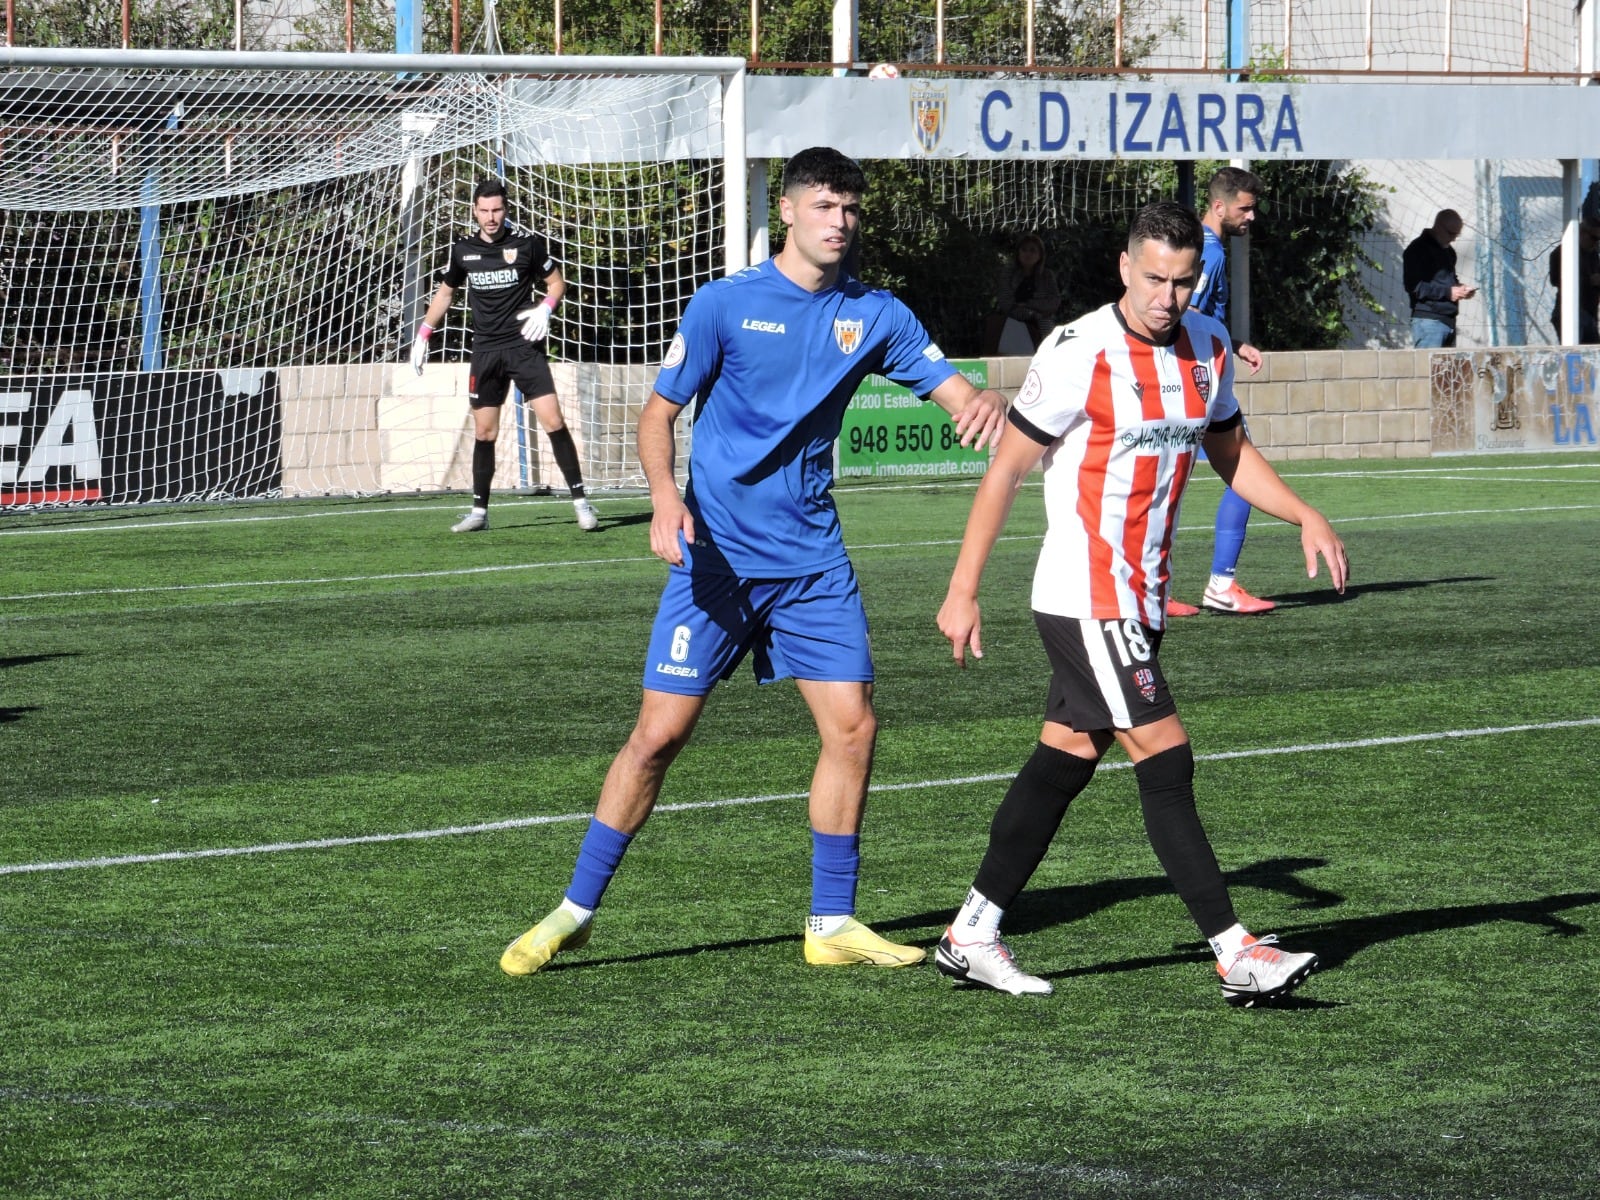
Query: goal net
column 210, row 273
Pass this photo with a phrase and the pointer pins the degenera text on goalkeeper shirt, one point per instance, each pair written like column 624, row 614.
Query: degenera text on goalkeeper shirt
column 773, row 367
column 1123, row 418
column 500, row 276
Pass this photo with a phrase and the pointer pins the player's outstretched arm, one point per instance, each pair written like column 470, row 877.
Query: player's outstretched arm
column 1244, row 469
column 959, row 618
column 658, row 457
column 980, row 417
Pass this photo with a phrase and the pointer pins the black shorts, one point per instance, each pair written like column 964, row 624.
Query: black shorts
column 1103, row 674
column 496, row 367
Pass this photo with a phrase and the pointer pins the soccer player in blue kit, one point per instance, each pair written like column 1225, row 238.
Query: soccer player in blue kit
column 770, row 357
column 1231, row 198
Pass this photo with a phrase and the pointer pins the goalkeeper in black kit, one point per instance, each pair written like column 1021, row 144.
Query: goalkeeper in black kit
column 501, row 266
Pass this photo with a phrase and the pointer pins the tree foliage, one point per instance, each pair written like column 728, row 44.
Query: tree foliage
column 938, row 233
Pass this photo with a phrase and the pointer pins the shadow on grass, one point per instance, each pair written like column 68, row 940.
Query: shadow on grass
column 23, row 660
column 1335, row 942
column 1326, row 595
column 545, row 520
column 9, row 716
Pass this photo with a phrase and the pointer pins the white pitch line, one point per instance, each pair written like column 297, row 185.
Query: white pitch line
column 414, row 835
column 453, row 572
column 385, row 509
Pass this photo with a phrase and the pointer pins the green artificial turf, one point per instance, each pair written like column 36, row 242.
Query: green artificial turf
column 279, row 781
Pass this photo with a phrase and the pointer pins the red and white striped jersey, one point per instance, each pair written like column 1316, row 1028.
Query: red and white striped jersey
column 1123, row 419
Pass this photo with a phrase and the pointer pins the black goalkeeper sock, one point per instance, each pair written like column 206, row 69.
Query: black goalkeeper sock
column 482, row 472
column 1027, row 819
column 1166, row 793
column 566, row 455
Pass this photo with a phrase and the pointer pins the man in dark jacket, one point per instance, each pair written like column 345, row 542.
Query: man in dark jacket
column 1588, row 285
column 1435, row 289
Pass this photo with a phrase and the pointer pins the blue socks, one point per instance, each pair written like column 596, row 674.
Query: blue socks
column 835, row 866
column 1232, row 514
column 598, row 858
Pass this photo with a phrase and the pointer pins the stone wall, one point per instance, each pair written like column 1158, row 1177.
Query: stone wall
column 1321, row 404
column 383, row 429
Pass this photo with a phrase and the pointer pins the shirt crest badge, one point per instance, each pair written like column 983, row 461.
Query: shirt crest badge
column 847, row 335
column 510, row 255
column 1202, row 382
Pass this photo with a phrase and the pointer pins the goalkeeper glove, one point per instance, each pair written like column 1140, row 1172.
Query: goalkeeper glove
column 419, row 347
column 536, row 320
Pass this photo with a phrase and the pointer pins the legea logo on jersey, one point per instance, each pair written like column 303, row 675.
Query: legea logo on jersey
column 764, row 326
column 675, row 352
column 847, row 334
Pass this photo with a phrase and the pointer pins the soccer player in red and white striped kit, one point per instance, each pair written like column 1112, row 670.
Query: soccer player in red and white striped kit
column 1117, row 405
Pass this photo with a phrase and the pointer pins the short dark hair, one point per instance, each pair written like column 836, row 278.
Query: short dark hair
column 1168, row 222
column 824, row 167
column 487, row 188
column 1229, row 182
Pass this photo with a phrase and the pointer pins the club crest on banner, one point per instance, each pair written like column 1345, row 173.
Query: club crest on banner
column 848, row 335
column 1202, row 382
column 927, row 115
column 510, row 255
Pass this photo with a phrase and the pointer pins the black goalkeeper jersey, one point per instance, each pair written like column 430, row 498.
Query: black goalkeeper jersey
column 500, row 277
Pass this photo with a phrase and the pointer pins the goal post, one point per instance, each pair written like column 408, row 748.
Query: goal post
column 212, row 264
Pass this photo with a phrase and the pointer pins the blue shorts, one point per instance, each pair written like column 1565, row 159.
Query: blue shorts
column 812, row 628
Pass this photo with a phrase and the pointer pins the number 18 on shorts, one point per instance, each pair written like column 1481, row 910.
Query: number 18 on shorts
column 1103, row 674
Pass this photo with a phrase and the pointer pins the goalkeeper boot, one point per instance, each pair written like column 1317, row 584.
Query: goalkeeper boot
column 588, row 519
column 987, row 963
column 1259, row 973
column 855, row 943
column 475, row 520
column 557, row 932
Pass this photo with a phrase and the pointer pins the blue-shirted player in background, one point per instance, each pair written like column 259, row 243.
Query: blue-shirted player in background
column 770, row 357
column 1231, row 200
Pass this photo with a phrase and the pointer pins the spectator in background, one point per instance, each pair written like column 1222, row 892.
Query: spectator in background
column 1027, row 302
column 1431, row 281
column 1588, row 285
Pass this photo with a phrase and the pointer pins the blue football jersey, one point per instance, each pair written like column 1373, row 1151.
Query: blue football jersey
column 773, row 367
column 1211, row 293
